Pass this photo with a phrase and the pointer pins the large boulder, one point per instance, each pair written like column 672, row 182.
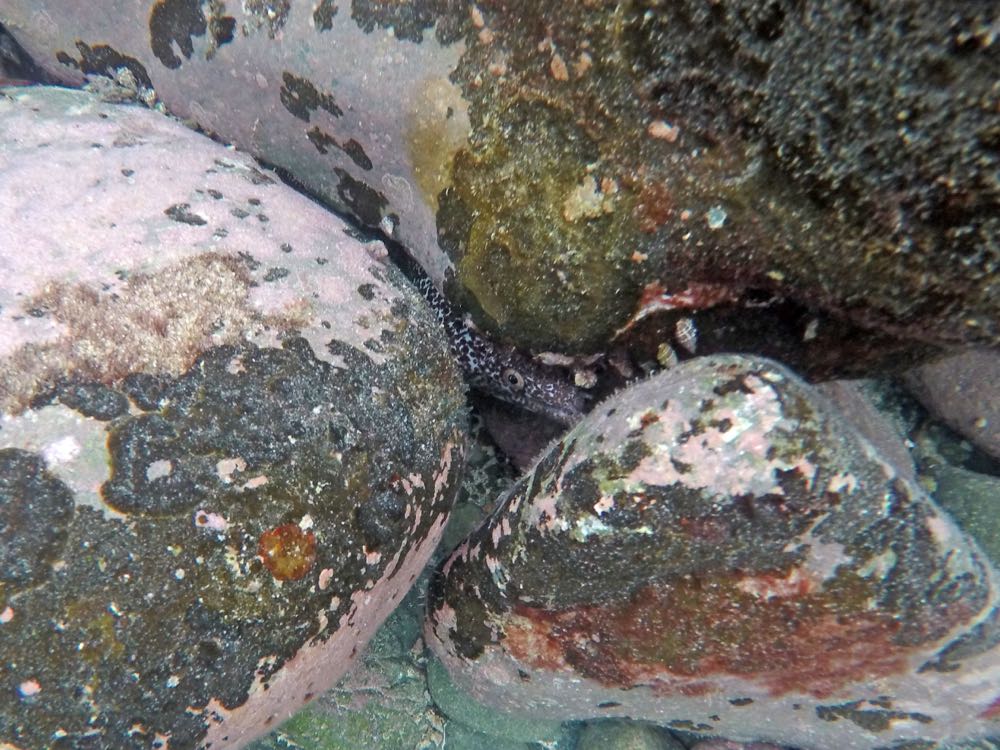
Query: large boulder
column 814, row 181
column 229, row 434
column 717, row 550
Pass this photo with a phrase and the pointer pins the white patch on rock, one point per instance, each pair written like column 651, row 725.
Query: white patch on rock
column 62, row 450
column 204, row 519
column 226, row 467
column 160, row 468
column 84, row 463
column 587, row 526
column 28, row 688
column 324, row 578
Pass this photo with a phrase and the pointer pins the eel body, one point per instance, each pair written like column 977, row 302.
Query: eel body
column 501, row 372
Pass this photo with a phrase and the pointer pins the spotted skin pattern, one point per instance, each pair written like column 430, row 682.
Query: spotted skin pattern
column 503, row 373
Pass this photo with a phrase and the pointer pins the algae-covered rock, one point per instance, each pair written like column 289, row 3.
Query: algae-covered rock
column 717, row 550
column 816, row 181
column 229, row 435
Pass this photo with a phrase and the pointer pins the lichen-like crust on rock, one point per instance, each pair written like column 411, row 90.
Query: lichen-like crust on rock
column 229, row 435
column 716, row 550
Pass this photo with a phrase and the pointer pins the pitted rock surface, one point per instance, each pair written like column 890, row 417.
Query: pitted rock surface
column 716, row 550
column 229, row 435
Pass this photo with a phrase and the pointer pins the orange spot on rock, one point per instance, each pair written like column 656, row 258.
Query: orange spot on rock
column 663, row 130
column 558, row 67
column 288, row 551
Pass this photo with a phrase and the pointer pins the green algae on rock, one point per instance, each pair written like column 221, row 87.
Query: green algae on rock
column 521, row 220
column 230, row 435
column 747, row 144
column 716, row 550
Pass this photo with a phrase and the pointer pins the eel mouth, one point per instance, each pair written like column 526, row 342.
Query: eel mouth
column 566, row 411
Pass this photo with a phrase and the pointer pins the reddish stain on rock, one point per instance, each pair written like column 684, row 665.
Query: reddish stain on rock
column 798, row 640
column 654, row 208
column 288, row 551
column 648, row 418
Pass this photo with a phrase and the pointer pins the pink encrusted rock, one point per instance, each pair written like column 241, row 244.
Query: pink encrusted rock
column 229, row 435
column 362, row 114
column 715, row 549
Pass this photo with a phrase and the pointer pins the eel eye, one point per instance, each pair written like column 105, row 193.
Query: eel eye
column 513, row 378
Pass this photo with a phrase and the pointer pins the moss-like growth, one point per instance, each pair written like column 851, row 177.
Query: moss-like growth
column 539, row 223
column 843, row 157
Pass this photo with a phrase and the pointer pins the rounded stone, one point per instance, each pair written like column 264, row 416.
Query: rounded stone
column 961, row 390
column 972, row 499
column 454, row 703
column 717, row 550
column 230, row 434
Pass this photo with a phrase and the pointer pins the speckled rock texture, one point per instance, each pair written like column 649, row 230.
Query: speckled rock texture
column 229, row 434
column 813, row 181
column 716, row 550
column 963, row 391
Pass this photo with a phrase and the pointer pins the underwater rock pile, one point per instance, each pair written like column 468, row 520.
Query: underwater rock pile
column 815, row 181
column 231, row 432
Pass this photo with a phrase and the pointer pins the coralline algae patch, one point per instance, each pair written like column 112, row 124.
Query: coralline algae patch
column 715, row 549
column 228, row 441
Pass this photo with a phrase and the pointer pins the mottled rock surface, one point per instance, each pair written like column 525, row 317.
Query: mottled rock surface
column 716, row 550
column 814, row 181
column 229, row 434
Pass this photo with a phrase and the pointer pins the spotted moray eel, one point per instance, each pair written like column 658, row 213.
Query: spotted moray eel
column 501, row 372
